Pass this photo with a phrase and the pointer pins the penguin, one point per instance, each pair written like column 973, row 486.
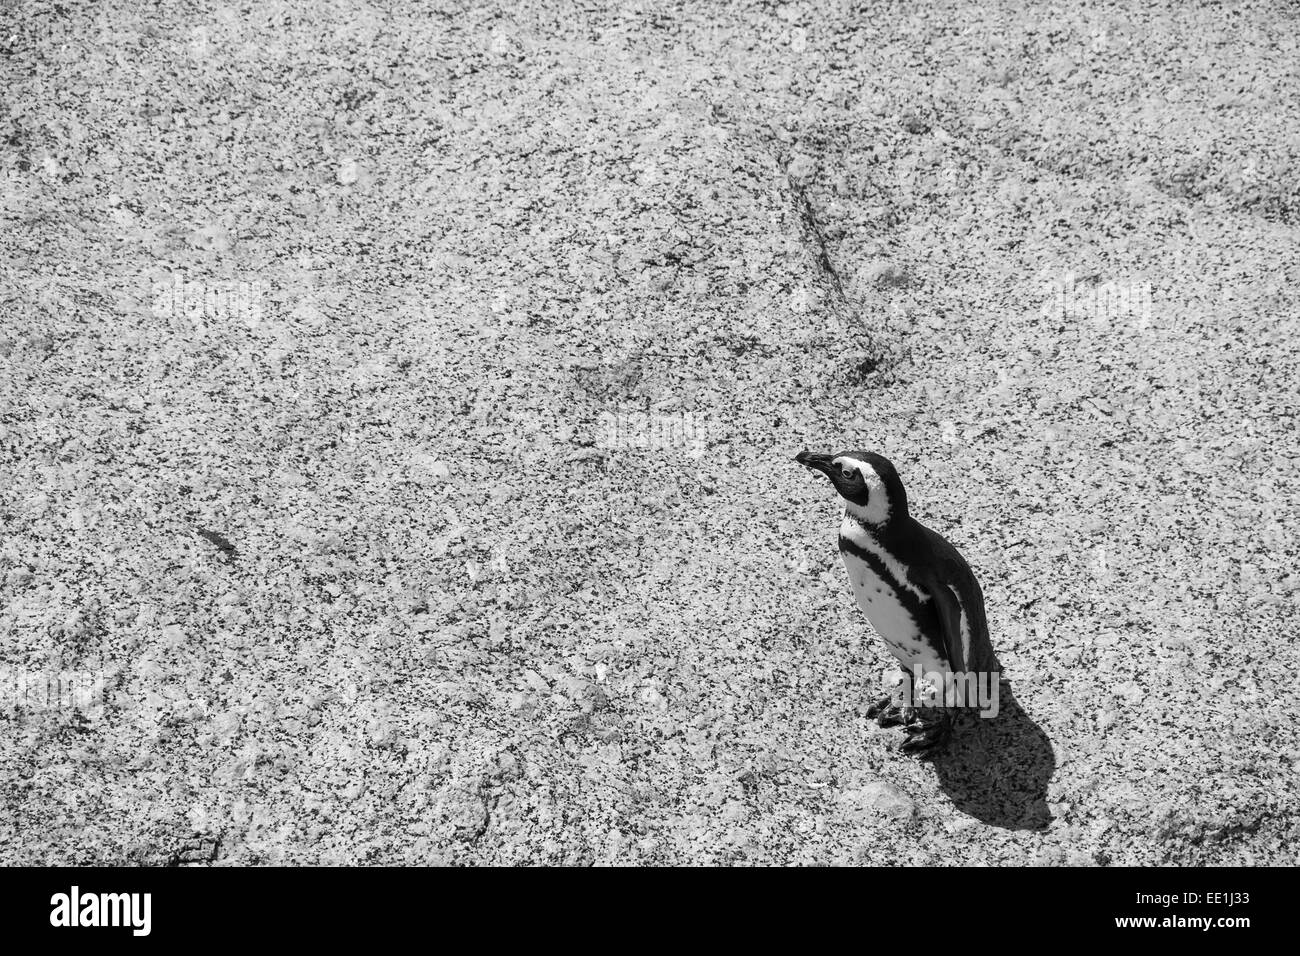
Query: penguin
column 919, row 594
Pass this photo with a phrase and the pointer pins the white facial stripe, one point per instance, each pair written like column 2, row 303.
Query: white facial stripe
column 878, row 505
column 864, row 539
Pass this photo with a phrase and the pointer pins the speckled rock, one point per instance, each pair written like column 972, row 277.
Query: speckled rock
column 397, row 413
column 880, row 796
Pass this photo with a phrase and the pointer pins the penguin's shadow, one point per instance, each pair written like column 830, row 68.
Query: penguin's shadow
column 997, row 768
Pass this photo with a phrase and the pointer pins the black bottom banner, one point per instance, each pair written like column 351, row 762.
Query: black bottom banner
column 217, row 904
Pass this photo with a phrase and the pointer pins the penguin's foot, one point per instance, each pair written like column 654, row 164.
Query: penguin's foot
column 880, row 706
column 927, row 736
column 886, row 713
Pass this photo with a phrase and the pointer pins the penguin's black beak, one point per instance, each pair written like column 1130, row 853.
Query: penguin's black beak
column 824, row 464
column 820, row 463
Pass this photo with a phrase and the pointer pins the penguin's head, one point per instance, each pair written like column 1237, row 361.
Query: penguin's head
column 867, row 482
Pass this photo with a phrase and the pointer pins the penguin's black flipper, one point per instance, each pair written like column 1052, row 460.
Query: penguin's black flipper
column 949, row 608
column 951, row 578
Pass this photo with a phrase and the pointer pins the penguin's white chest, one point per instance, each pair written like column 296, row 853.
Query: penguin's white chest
column 887, row 615
column 879, row 601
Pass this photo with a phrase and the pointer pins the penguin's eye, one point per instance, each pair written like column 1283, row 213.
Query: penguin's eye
column 847, row 473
